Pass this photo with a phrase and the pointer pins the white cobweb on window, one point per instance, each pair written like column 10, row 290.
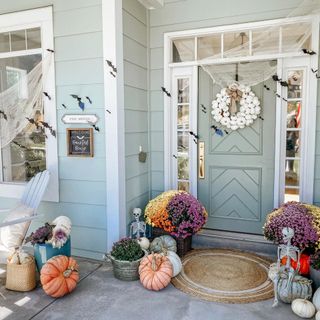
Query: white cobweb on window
column 18, row 108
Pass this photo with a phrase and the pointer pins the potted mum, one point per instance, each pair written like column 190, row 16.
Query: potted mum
column 51, row 240
column 125, row 257
column 178, row 214
column 315, row 269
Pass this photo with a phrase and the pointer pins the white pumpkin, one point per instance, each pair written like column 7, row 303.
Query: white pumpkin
column 144, row 243
column 318, row 315
column 175, row 261
column 303, row 308
column 63, row 222
column 316, row 299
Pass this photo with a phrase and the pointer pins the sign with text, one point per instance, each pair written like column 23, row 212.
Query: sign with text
column 80, row 118
column 80, row 142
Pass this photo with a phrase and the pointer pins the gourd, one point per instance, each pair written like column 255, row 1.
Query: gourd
column 273, row 271
column 304, row 264
column 316, row 299
column 303, row 308
column 175, row 261
column 59, row 276
column 144, row 243
column 162, row 243
column 155, row 271
column 20, row 257
column 299, row 288
column 318, row 315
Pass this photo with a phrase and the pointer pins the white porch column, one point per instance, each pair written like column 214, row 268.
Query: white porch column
column 114, row 121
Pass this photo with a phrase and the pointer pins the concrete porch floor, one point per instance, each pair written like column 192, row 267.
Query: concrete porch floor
column 100, row 296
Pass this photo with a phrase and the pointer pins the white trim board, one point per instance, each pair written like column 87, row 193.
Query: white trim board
column 114, row 122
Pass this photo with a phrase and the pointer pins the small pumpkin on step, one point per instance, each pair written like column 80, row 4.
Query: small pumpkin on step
column 303, row 308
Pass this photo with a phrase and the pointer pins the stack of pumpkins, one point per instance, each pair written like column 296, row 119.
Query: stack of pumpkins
column 157, row 268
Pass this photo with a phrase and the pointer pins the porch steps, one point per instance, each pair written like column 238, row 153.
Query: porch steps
column 233, row 240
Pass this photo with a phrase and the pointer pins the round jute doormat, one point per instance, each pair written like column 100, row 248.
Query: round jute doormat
column 224, row 275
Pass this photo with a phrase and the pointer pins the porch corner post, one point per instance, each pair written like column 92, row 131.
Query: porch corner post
column 114, row 120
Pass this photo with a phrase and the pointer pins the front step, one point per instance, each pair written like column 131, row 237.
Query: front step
column 233, row 240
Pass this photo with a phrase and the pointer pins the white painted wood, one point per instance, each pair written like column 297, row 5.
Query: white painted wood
column 152, row 4
column 23, row 20
column 114, row 122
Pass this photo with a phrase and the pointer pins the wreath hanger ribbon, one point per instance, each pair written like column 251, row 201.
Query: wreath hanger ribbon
column 235, row 96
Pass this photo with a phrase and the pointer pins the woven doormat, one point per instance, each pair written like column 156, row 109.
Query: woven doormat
column 224, row 275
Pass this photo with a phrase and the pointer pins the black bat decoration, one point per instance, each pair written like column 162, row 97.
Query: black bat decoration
column 217, row 130
column 309, row 52
column 284, row 84
column 19, row 145
column 203, row 108
column 195, row 141
column 47, row 95
column 46, row 125
column 314, row 71
column 164, row 90
column 113, row 74
column 64, row 106
column 226, row 132
column 4, row 115
column 80, row 103
column 110, row 64
column 261, row 118
column 182, row 146
column 50, row 50
column 276, row 78
column 193, row 134
column 108, row 111
column 88, row 98
column 266, row 87
column 175, row 156
column 32, row 121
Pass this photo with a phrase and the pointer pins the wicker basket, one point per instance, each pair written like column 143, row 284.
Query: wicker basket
column 21, row 277
column 183, row 245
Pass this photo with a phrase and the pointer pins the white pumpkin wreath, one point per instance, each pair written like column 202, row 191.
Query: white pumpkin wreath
column 225, row 107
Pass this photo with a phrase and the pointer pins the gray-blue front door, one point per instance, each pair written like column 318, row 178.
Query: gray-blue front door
column 238, row 186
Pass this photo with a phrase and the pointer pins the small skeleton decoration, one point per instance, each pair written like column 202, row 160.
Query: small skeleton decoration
column 137, row 227
column 292, row 253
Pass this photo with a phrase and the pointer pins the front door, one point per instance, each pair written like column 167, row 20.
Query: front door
column 237, row 184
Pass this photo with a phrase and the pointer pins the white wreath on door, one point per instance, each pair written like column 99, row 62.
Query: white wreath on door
column 225, row 110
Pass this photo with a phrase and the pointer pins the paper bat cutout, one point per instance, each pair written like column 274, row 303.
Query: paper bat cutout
column 88, row 98
column 217, row 130
column 46, row 125
column 195, row 141
column 110, row 64
column 164, row 90
column 276, row 78
column 193, row 134
column 4, row 115
column 261, row 118
column 47, row 95
column 32, row 121
column 64, row 106
column 284, row 83
column 203, row 108
column 175, row 156
column 50, row 50
column 309, row 52
column 113, row 74
column 94, row 126
column 80, row 103
column 108, row 111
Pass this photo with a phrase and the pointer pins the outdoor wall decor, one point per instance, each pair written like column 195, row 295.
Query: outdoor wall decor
column 225, row 109
column 80, row 142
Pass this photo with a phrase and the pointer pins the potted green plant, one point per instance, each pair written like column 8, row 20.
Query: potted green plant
column 125, row 256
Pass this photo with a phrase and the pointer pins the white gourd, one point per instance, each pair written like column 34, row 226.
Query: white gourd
column 273, row 271
column 303, row 308
column 163, row 243
column 175, row 261
column 144, row 243
column 316, row 299
column 318, row 315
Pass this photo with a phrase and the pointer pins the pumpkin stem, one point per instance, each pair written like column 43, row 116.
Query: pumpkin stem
column 67, row 273
column 153, row 263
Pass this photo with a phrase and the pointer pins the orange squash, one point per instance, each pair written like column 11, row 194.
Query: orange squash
column 155, row 271
column 59, row 276
column 304, row 264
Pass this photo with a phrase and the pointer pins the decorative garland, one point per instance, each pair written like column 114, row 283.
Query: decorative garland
column 224, row 107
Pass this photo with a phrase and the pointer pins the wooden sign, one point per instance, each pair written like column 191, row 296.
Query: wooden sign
column 80, row 142
column 80, row 118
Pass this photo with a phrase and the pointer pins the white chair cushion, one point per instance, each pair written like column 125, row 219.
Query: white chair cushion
column 12, row 236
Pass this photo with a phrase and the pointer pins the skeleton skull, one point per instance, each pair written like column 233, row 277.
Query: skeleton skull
column 136, row 213
column 288, row 234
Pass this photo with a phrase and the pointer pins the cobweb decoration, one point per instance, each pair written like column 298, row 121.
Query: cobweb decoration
column 18, row 108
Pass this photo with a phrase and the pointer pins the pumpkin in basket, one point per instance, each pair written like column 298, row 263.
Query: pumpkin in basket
column 59, row 276
column 155, row 271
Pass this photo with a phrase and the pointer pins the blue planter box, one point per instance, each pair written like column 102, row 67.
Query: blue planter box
column 43, row 252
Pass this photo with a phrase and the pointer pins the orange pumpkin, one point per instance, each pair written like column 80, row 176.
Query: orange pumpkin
column 59, row 276
column 155, row 271
column 304, row 264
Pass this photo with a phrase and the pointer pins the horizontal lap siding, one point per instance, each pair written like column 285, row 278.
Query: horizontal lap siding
column 179, row 15
column 79, row 70
column 135, row 47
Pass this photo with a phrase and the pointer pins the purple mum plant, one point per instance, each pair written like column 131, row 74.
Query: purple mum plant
column 41, row 235
column 186, row 214
column 293, row 215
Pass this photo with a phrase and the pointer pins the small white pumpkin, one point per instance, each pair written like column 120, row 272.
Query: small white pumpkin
column 316, row 299
column 175, row 261
column 303, row 308
column 273, row 271
column 318, row 315
column 144, row 243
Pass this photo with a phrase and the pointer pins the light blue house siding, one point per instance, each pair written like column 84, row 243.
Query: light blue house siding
column 190, row 14
column 79, row 70
column 135, row 55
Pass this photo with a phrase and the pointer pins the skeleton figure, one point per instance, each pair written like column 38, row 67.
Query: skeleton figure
column 292, row 253
column 137, row 227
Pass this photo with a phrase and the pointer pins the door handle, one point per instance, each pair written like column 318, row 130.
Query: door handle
column 201, row 172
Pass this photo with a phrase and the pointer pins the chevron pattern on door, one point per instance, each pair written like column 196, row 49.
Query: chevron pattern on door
column 235, row 193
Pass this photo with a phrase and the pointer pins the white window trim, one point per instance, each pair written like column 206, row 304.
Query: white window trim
column 310, row 122
column 42, row 18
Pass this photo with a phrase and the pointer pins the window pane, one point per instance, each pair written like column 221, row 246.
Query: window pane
column 291, row 195
column 183, row 185
column 33, row 38
column 209, row 46
column 18, row 40
column 236, row 44
column 4, row 42
column 265, row 41
column 183, row 168
column 183, row 50
column 183, row 117
column 296, row 37
column 183, row 142
column 294, row 114
column 293, row 144
column 295, row 82
column 183, row 90
column 292, row 173
column 22, row 144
